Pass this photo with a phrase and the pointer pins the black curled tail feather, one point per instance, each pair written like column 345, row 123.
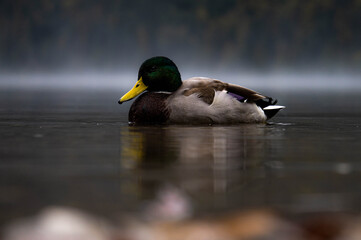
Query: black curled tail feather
column 265, row 102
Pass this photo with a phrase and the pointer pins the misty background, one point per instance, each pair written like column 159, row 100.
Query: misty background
column 264, row 43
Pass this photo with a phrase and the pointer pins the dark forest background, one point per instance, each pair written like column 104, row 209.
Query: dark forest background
column 258, row 34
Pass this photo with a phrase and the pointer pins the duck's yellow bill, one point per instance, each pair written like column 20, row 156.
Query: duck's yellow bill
column 138, row 88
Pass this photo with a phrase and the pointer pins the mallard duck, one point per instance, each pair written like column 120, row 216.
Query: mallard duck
column 197, row 100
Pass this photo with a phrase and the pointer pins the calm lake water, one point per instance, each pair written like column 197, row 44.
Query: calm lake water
column 75, row 148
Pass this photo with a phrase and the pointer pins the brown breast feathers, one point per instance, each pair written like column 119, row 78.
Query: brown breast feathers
column 149, row 108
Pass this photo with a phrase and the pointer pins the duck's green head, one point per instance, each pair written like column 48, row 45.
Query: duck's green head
column 155, row 74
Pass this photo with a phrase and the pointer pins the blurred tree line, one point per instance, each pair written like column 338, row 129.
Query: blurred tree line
column 43, row 34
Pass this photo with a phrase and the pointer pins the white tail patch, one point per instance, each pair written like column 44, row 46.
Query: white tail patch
column 274, row 107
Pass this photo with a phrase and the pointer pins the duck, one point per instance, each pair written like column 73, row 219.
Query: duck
column 166, row 99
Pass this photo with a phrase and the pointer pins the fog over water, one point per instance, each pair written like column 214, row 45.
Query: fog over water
column 282, row 81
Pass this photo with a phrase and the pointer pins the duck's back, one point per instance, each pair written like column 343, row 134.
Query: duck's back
column 204, row 100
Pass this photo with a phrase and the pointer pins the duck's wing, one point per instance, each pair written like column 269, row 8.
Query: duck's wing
column 204, row 93
column 205, row 88
column 246, row 93
column 268, row 104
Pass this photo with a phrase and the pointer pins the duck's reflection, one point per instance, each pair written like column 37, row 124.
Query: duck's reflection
column 197, row 159
column 191, row 147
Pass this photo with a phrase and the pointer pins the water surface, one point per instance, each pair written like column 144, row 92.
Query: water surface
column 75, row 148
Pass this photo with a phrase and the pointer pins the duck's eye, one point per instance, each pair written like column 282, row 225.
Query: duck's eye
column 153, row 68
